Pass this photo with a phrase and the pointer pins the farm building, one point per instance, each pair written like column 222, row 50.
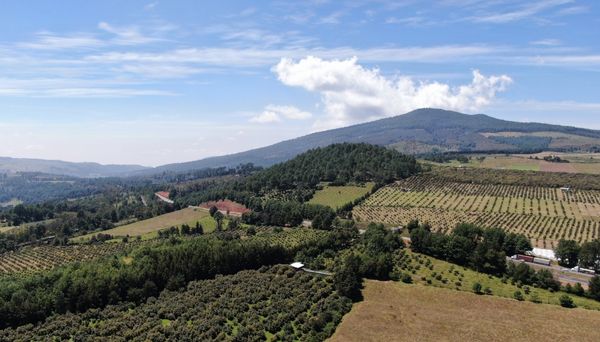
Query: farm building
column 164, row 196
column 297, row 265
column 226, row 207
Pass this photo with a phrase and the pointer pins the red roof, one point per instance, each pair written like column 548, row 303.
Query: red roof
column 226, row 205
column 164, row 194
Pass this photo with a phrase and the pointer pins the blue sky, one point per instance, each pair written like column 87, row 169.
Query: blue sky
column 167, row 81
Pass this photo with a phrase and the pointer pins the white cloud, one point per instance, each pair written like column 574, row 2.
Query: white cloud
column 274, row 113
column 289, row 112
column 50, row 41
column 126, row 35
column 352, row 93
column 251, row 57
column 546, row 42
column 266, row 117
column 531, row 8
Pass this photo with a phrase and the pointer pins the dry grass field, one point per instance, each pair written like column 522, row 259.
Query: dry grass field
column 578, row 162
column 184, row 216
column 399, row 312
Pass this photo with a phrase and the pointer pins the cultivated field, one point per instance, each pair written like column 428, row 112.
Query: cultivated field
column 578, row 162
column 398, row 312
column 544, row 214
column 32, row 259
column 337, row 196
column 151, row 226
column 429, row 271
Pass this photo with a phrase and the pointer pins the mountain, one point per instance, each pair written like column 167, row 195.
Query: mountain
column 420, row 131
column 57, row 167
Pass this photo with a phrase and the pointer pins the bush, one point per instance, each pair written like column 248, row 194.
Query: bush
column 487, row 291
column 477, row 288
column 406, row 278
column 518, row 296
column 566, row 301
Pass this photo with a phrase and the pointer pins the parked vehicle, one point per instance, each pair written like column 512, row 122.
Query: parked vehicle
column 583, row 270
column 529, row 258
column 542, row 261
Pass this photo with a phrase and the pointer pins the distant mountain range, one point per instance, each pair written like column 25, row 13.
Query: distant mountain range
column 420, row 131
column 57, row 167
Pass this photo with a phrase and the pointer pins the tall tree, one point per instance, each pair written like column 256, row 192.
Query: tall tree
column 567, row 252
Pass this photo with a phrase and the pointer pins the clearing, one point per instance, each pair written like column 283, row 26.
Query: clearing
column 337, row 196
column 399, row 312
column 578, row 162
column 150, row 227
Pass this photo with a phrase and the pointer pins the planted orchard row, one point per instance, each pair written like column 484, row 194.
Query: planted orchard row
column 33, row 259
column 430, row 183
column 394, row 197
column 543, row 230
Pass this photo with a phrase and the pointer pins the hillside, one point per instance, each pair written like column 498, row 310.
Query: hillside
column 417, row 132
column 58, row 167
column 420, row 131
column 400, row 312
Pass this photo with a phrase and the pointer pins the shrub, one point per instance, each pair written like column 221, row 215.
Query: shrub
column 477, row 288
column 487, row 291
column 518, row 296
column 566, row 301
column 406, row 278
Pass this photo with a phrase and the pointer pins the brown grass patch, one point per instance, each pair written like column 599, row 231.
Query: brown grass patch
column 557, row 167
column 177, row 218
column 398, row 312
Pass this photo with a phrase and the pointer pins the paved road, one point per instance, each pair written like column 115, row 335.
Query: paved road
column 564, row 275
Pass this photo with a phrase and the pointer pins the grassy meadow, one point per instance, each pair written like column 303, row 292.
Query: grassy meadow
column 426, row 270
column 337, row 196
column 149, row 228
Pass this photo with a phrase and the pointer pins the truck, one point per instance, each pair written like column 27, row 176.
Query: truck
column 530, row 258
column 583, row 270
column 541, row 261
column 522, row 257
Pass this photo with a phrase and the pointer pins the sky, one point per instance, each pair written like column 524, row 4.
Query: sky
column 156, row 82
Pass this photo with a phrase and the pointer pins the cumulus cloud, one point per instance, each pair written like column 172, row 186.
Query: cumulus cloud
column 274, row 113
column 352, row 93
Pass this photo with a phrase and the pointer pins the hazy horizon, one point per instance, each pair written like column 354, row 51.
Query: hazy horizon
column 160, row 82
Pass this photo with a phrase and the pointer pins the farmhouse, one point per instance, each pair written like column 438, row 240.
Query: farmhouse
column 164, row 196
column 226, row 207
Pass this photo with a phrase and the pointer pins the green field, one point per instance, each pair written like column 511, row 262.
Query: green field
column 337, row 196
column 149, row 228
column 545, row 214
column 433, row 272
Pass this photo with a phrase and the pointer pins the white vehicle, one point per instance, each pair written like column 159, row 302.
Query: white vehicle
column 583, row 270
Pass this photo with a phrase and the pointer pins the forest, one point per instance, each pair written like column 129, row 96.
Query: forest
column 273, row 302
column 149, row 269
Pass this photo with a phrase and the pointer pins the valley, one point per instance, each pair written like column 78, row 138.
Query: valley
column 382, row 238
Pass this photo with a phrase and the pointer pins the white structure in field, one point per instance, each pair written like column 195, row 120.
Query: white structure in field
column 297, row 265
column 544, row 253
